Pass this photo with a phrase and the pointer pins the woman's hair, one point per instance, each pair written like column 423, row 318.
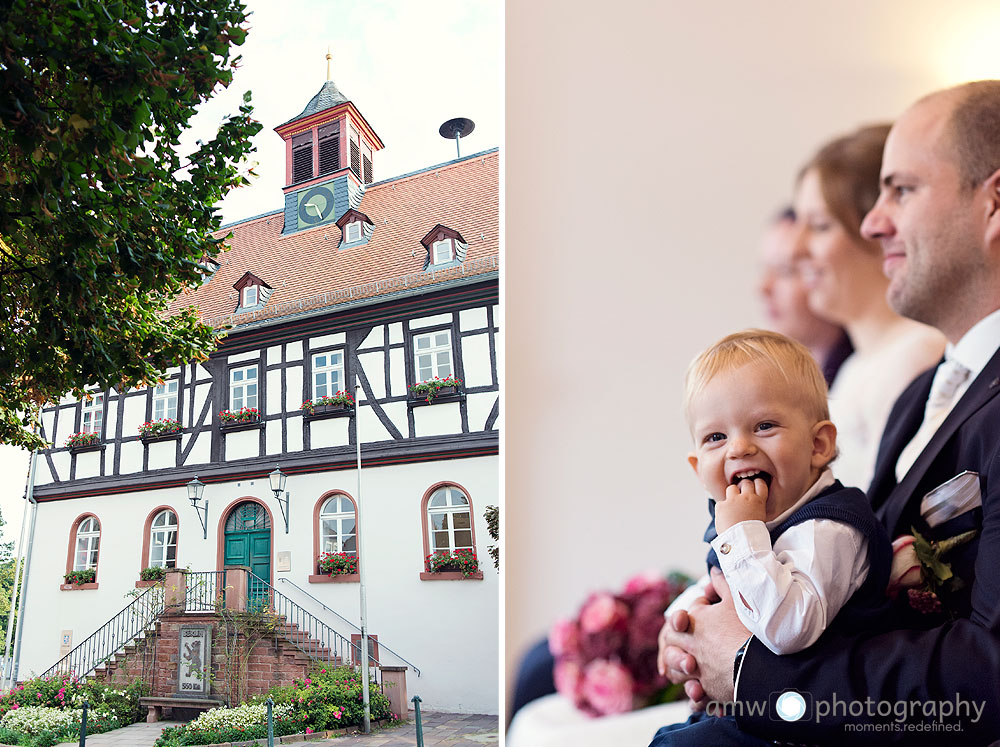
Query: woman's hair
column 790, row 361
column 848, row 169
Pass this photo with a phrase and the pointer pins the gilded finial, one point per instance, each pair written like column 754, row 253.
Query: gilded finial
column 328, row 58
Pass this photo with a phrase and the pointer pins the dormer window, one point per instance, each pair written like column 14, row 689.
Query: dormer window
column 253, row 293
column 442, row 252
column 250, row 296
column 356, row 228
column 445, row 246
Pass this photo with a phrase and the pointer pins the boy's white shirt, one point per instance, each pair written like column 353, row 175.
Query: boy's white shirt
column 787, row 595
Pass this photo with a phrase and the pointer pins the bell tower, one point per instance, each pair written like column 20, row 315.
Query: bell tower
column 329, row 148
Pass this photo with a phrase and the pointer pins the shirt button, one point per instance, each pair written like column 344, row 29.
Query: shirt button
column 726, row 547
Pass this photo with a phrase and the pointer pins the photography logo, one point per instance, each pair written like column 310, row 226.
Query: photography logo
column 789, row 705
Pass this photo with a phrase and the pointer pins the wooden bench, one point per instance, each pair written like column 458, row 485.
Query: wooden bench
column 156, row 705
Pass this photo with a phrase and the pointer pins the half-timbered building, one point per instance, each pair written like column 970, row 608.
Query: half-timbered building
column 350, row 282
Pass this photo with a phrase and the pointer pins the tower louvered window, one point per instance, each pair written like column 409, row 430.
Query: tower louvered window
column 355, row 159
column 302, row 157
column 329, row 149
column 368, row 170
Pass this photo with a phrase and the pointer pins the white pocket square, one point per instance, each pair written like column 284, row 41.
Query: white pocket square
column 951, row 498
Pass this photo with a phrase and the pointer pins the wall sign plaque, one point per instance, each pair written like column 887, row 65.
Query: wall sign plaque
column 194, row 660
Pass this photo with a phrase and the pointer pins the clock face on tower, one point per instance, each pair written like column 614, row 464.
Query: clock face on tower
column 315, row 205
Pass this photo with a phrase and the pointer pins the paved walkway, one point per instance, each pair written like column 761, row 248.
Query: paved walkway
column 439, row 729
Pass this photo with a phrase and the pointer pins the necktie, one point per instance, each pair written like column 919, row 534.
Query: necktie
column 949, row 376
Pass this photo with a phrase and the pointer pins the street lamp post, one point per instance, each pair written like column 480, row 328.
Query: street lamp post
column 361, row 574
column 278, row 479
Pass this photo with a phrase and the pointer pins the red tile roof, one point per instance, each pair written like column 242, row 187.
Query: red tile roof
column 308, row 271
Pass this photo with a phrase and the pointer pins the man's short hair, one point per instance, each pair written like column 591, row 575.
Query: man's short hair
column 788, row 359
column 974, row 130
column 849, row 170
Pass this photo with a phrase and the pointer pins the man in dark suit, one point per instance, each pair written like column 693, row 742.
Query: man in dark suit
column 938, row 472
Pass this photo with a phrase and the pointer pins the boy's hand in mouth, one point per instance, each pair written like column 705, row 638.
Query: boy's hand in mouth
column 746, row 500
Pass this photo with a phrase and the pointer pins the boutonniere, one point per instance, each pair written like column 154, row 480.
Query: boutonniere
column 918, row 566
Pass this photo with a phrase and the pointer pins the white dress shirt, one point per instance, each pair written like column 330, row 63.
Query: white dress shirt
column 788, row 594
column 973, row 351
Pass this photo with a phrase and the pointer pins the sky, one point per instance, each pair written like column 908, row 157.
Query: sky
column 407, row 65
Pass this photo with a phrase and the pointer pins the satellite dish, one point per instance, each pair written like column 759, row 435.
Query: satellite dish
column 457, row 128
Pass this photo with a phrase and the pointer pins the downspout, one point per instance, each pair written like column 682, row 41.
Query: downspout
column 27, row 567
column 12, row 608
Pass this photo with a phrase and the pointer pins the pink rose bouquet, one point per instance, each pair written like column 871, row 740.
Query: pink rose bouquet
column 606, row 657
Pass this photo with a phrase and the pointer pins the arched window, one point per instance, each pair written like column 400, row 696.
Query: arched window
column 449, row 520
column 88, row 540
column 338, row 526
column 163, row 540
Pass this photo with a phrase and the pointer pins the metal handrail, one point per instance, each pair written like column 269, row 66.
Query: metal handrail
column 318, row 641
column 115, row 634
column 380, row 644
column 203, row 590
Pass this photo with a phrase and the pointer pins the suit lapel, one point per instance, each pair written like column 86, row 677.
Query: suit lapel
column 982, row 390
column 903, row 423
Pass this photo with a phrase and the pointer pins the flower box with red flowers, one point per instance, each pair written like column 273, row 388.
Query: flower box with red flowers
column 337, row 563
column 239, row 420
column 435, row 390
column 79, row 578
column 339, row 405
column 164, row 429
column 452, row 562
column 78, row 442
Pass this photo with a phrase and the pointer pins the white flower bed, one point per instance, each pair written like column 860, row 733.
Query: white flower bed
column 33, row 719
column 240, row 717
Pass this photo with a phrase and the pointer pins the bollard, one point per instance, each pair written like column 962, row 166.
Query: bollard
column 270, row 723
column 83, row 725
column 420, row 728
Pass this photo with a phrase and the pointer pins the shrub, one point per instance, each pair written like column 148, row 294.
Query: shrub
column 333, row 698
column 247, row 721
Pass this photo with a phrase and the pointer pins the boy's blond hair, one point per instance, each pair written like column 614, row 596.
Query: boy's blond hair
column 789, row 359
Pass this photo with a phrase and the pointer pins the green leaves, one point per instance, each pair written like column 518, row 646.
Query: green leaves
column 99, row 225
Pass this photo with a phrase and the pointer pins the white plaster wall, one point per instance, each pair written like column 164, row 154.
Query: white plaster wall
column 458, row 663
column 273, row 389
column 479, row 406
column 374, row 367
column 272, row 437
column 111, row 421
column 437, row 419
column 370, row 425
column 429, row 321
column 375, row 338
column 250, row 355
column 131, row 460
column 61, row 463
column 476, row 360
column 397, row 372
column 469, row 319
column 201, row 392
column 395, row 333
column 337, row 338
column 295, row 434
column 274, row 355
column 242, row 444
column 162, row 454
column 328, row 432
column 293, row 382
column 134, row 415
column 48, row 425
column 293, row 351
column 201, row 452
column 397, row 414
column 88, row 464
column 67, row 421
column 203, row 373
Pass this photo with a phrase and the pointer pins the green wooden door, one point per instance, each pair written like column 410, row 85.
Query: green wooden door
column 248, row 542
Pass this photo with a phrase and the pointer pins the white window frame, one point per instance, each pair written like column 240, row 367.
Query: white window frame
column 450, row 508
column 338, row 517
column 88, row 543
column 163, row 536
column 248, row 291
column 241, row 385
column 92, row 414
column 354, row 227
column 165, row 400
column 434, row 367
column 448, row 246
column 328, row 369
